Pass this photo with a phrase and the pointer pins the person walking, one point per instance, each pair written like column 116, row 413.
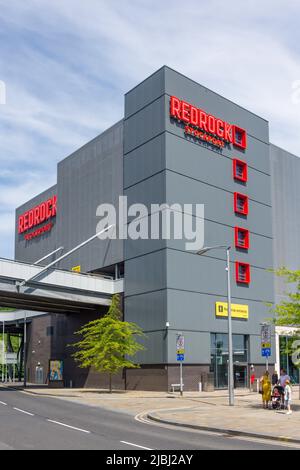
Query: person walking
column 282, row 382
column 275, row 378
column 288, row 397
column 266, row 390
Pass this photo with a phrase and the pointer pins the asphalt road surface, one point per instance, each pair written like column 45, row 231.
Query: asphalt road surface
column 30, row 422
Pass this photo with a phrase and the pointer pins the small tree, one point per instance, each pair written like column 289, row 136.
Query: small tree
column 287, row 312
column 108, row 343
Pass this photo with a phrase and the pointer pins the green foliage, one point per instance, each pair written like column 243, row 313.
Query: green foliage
column 108, row 343
column 287, row 313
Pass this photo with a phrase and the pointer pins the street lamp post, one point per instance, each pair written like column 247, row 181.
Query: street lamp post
column 25, row 349
column 3, row 350
column 230, row 341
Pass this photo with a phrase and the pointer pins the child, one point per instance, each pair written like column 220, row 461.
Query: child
column 288, row 397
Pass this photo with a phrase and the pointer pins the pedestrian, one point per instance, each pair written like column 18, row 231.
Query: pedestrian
column 282, row 381
column 275, row 378
column 288, row 397
column 266, row 389
column 284, row 377
column 252, row 378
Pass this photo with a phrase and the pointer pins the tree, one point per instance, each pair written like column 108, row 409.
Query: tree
column 287, row 313
column 108, row 343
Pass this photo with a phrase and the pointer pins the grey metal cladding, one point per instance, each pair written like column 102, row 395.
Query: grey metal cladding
column 155, row 348
column 143, row 126
column 33, row 250
column 146, row 273
column 193, row 273
column 149, row 191
column 260, row 253
column 91, row 176
column 197, row 347
column 145, row 161
column 202, row 164
column 285, row 170
column 144, row 93
column 219, row 204
column 196, row 94
column 148, row 310
column 202, row 313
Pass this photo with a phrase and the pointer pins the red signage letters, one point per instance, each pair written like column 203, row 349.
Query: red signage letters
column 36, row 216
column 199, row 119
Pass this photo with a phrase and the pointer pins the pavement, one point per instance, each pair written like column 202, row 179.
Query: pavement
column 199, row 411
column 40, row 421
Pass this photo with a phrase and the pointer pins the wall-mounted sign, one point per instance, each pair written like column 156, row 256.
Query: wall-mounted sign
column 207, row 127
column 56, row 371
column 44, row 212
column 237, row 311
column 76, row 269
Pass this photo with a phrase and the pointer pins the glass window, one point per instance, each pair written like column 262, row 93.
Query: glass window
column 219, row 356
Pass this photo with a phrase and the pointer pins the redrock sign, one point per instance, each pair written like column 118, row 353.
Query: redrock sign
column 206, row 127
column 37, row 216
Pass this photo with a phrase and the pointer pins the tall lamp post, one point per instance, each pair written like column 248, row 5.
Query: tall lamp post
column 230, row 341
column 3, row 349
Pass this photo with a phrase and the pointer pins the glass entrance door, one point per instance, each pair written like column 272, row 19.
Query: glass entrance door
column 219, row 360
column 240, row 376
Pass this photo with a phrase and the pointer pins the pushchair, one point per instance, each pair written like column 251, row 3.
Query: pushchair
column 276, row 398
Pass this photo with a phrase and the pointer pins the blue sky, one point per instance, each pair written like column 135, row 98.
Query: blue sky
column 67, row 64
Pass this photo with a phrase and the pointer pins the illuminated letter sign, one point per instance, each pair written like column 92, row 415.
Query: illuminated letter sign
column 205, row 126
column 37, row 216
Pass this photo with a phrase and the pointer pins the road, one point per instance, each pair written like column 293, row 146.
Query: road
column 30, row 422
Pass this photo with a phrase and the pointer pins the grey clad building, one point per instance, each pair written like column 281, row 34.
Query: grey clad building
column 179, row 143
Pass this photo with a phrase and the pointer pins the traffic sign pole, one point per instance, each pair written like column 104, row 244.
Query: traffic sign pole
column 180, row 358
column 181, row 380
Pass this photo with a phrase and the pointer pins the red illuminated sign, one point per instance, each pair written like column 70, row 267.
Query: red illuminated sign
column 201, row 125
column 37, row 216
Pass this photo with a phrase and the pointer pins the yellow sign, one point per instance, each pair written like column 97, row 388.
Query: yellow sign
column 237, row 311
column 76, row 269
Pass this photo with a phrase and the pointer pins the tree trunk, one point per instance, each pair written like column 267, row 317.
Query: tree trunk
column 110, row 383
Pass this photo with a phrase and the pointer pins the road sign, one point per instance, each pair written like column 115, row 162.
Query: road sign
column 11, row 358
column 180, row 357
column 266, row 352
column 266, row 333
column 180, row 348
column 266, row 341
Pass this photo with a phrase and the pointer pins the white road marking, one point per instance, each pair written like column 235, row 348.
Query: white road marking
column 135, row 445
column 2, row 403
column 67, row 426
column 22, row 411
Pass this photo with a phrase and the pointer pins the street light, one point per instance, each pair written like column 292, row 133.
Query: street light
column 230, row 342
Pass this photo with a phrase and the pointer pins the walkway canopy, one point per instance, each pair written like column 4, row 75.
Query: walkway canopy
column 29, row 287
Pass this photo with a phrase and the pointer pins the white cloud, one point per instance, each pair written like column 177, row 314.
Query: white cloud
column 67, row 64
